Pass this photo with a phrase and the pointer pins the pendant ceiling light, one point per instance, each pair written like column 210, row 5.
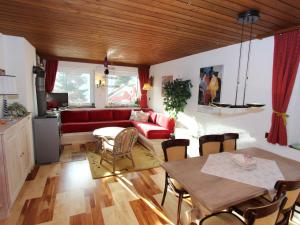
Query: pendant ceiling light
column 249, row 17
column 105, row 64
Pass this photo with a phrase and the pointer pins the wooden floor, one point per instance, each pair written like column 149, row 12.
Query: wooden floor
column 65, row 194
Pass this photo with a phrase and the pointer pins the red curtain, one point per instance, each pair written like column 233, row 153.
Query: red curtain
column 143, row 78
column 285, row 66
column 51, row 69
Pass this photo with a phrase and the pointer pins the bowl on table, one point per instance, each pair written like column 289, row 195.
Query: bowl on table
column 245, row 161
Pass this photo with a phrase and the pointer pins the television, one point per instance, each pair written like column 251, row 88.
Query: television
column 57, row 100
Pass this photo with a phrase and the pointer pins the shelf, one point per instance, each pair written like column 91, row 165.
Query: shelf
column 228, row 111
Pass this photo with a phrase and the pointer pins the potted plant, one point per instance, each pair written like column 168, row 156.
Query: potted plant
column 177, row 92
column 17, row 110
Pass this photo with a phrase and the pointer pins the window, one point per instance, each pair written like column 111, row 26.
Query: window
column 77, row 84
column 122, row 90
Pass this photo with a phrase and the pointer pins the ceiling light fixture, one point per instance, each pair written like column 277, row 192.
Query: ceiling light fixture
column 249, row 17
column 105, row 64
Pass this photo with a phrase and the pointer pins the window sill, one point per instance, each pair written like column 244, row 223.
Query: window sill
column 121, row 106
column 82, row 106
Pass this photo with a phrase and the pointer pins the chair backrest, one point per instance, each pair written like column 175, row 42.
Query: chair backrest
column 125, row 140
column 265, row 215
column 291, row 189
column 175, row 149
column 209, row 144
column 229, row 143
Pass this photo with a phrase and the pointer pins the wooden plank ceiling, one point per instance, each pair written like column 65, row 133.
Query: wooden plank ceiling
column 138, row 31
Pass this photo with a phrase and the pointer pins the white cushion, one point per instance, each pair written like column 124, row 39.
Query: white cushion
column 139, row 116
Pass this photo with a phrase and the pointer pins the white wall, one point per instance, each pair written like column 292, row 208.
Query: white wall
column 18, row 59
column 97, row 71
column 1, row 52
column 252, row 125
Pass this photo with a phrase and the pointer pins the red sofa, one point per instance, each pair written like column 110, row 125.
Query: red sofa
column 159, row 126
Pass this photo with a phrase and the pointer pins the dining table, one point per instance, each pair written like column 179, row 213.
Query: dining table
column 213, row 193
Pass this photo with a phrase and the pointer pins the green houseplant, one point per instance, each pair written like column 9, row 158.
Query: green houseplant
column 17, row 110
column 177, row 92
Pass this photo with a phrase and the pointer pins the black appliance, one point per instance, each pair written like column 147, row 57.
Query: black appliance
column 40, row 90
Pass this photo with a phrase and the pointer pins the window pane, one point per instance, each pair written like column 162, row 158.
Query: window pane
column 77, row 85
column 122, row 90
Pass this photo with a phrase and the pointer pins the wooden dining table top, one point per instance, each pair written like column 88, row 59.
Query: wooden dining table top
column 217, row 193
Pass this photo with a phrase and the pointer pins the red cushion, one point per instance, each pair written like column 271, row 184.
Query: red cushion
column 69, row 116
column 100, row 115
column 151, row 131
column 152, row 116
column 91, row 126
column 121, row 114
column 166, row 122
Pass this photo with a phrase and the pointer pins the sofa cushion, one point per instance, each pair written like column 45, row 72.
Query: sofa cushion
column 69, row 116
column 91, row 126
column 100, row 115
column 151, row 131
column 139, row 116
column 121, row 114
column 166, row 122
column 152, row 116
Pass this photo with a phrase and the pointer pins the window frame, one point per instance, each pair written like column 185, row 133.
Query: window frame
column 79, row 70
column 121, row 73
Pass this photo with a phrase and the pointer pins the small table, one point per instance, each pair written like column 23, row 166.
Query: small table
column 106, row 132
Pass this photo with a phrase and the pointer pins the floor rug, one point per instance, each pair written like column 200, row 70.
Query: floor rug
column 143, row 159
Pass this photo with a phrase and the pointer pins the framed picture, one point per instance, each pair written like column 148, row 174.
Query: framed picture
column 210, row 85
column 164, row 80
column 2, row 72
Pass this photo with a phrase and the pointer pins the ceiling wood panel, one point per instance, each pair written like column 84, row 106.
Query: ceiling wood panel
column 140, row 31
column 293, row 3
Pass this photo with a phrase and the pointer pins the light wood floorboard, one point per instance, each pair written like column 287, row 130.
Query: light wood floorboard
column 65, row 193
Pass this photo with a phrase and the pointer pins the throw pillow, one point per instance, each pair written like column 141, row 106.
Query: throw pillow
column 139, row 116
column 142, row 116
column 133, row 115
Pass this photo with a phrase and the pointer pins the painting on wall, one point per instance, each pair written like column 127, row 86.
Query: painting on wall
column 210, row 85
column 2, row 72
column 164, row 80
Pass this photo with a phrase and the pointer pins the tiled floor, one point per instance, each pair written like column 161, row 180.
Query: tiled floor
column 65, row 194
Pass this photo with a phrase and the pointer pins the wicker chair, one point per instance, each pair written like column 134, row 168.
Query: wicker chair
column 120, row 147
column 263, row 215
column 209, row 144
column 290, row 188
column 229, row 142
column 175, row 150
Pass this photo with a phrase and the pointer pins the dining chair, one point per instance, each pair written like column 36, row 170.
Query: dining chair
column 229, row 142
column 209, row 144
column 262, row 215
column 120, row 147
column 297, row 204
column 175, row 149
column 290, row 188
